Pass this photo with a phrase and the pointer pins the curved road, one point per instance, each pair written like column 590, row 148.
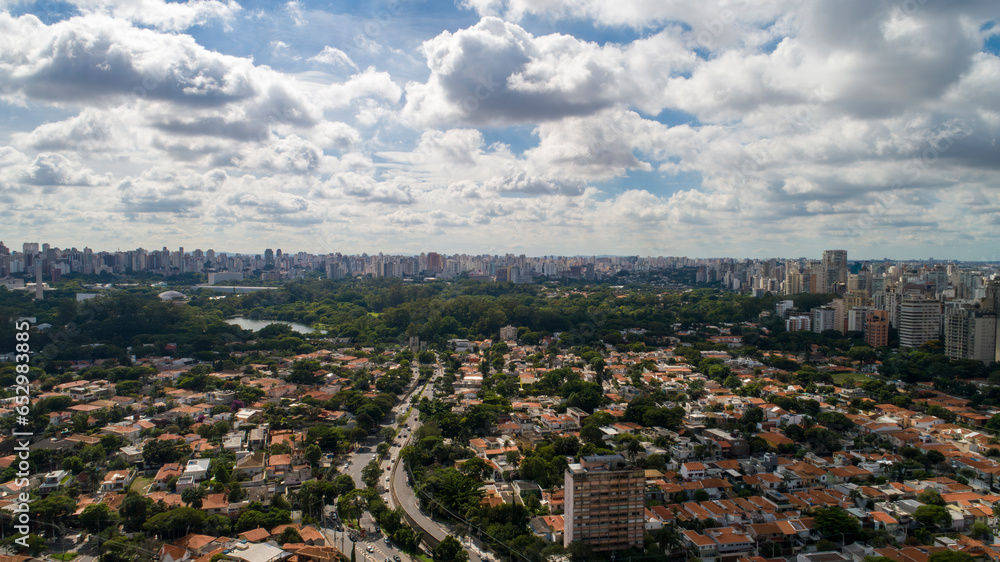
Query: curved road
column 403, row 495
column 399, row 493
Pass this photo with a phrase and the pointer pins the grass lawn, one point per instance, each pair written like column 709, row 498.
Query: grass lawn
column 141, row 485
column 63, row 556
column 839, row 378
column 424, row 558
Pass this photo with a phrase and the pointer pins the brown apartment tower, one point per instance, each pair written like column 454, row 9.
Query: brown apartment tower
column 604, row 503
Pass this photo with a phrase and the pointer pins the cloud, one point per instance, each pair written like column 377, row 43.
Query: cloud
column 700, row 128
column 91, row 130
column 183, row 88
column 169, row 16
column 367, row 84
column 333, row 57
column 282, row 49
column 495, row 72
column 52, row 169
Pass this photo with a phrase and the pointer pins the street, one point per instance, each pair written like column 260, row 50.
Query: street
column 356, row 462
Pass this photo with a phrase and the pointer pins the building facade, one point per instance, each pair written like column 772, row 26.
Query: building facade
column 604, row 504
column 919, row 321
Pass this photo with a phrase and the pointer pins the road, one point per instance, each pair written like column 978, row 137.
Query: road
column 402, row 493
column 380, row 550
column 399, row 493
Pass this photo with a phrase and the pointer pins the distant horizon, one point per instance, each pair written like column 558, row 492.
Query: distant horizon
column 563, row 127
column 188, row 250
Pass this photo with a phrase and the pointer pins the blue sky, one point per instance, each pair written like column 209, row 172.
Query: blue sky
column 566, row 127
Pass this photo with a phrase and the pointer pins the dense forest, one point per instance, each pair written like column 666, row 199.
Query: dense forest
column 369, row 311
column 366, row 312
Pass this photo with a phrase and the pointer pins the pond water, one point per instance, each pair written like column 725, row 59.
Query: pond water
column 256, row 325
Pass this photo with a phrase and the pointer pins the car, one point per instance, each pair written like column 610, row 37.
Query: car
column 387, row 560
column 388, row 468
column 370, row 548
column 396, row 558
column 387, row 541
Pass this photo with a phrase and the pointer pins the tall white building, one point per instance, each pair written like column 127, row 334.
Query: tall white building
column 919, row 321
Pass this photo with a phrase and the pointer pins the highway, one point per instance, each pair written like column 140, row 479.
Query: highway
column 398, row 492
column 402, row 494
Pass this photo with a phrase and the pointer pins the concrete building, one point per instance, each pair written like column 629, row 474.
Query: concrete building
column 823, row 318
column 798, row 323
column 877, row 328
column 919, row 321
column 604, row 503
column 834, row 271
column 508, row 333
column 970, row 333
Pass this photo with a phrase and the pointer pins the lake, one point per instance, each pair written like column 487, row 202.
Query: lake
column 256, row 325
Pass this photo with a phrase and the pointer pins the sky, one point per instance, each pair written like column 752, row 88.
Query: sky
column 735, row 128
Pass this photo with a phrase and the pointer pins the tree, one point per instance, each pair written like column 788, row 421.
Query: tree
column 370, row 473
column 932, row 516
column 135, row 509
column 157, row 452
column 456, row 491
column 313, row 454
column 177, row 522
column 192, row 496
column 825, row 545
column 343, row 484
column 830, row 521
column 930, row 496
column 450, row 550
column 97, row 517
column 250, row 519
column 289, row 535
column 406, row 539
column 951, row 556
column 981, row 531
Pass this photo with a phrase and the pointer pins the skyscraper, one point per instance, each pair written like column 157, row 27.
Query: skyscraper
column 834, row 271
column 919, row 321
column 970, row 333
column 604, row 503
column 39, row 293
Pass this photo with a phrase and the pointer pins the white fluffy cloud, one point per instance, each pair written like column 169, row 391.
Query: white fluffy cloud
column 172, row 16
column 497, row 73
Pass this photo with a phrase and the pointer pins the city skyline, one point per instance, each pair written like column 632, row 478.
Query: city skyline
column 288, row 252
column 502, row 126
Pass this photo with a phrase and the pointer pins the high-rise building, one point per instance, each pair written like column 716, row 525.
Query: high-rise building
column 992, row 304
column 604, row 504
column 39, row 292
column 823, row 319
column 919, row 321
column 435, row 262
column 835, row 271
column 798, row 323
column 970, row 333
column 877, row 328
column 857, row 318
